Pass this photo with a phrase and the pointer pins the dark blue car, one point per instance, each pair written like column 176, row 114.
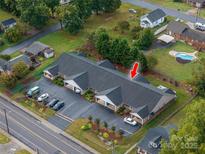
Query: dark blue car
column 58, row 106
column 53, row 102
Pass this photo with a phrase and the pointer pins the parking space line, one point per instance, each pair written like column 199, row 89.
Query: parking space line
column 67, row 107
column 126, row 131
column 66, row 118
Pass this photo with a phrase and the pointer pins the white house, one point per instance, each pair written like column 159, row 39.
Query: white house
column 152, row 19
column 62, row 2
column 48, row 53
column 6, row 24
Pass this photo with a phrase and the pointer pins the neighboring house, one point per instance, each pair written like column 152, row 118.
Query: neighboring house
column 62, row 2
column 39, row 49
column 151, row 143
column 181, row 31
column 112, row 89
column 196, row 3
column 152, row 19
column 7, row 65
column 7, row 24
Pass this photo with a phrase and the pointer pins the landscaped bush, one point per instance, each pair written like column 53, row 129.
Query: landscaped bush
column 1, row 42
column 89, row 95
column 121, row 110
column 86, row 127
column 58, row 81
column 106, row 135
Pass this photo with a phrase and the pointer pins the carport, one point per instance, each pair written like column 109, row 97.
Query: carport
column 166, row 39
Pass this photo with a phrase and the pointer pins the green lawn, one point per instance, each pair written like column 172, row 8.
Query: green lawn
column 168, row 65
column 22, row 152
column 4, row 139
column 87, row 137
column 173, row 5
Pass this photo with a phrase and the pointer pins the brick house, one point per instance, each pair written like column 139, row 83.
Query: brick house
column 182, row 32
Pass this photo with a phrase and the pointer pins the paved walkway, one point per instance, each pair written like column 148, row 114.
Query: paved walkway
column 170, row 12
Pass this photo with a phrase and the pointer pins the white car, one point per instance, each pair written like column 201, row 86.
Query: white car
column 132, row 11
column 42, row 97
column 130, row 121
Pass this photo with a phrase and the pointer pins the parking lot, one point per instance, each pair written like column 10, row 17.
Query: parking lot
column 77, row 107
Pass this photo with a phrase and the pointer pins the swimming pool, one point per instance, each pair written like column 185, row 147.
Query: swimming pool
column 184, row 56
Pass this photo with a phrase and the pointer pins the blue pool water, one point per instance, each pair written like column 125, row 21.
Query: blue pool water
column 184, row 56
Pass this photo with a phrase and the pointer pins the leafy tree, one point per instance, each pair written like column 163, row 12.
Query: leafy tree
column 59, row 13
column 199, row 79
column 152, row 61
column 84, row 8
column 52, row 4
column 103, row 43
column 124, row 25
column 2, row 4
column 97, row 6
column 190, row 136
column 120, row 52
column 111, row 5
column 72, row 22
column 145, row 40
column 5, row 57
column 135, row 32
column 105, row 124
column 20, row 70
column 90, row 118
column 113, row 128
column 10, row 6
column 13, row 34
column 8, row 80
column 143, row 62
column 36, row 13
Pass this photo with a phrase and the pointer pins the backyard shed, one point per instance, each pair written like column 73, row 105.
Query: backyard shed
column 166, row 38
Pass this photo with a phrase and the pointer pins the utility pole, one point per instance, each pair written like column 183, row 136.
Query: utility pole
column 7, row 126
column 37, row 151
column 197, row 15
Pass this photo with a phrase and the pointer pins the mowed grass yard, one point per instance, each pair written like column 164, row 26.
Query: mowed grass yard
column 173, row 5
column 168, row 65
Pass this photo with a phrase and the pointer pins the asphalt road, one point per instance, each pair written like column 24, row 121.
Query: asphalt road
column 28, row 42
column 170, row 12
column 34, row 134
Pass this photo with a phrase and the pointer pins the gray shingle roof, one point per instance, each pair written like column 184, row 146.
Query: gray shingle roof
column 134, row 93
column 155, row 135
column 36, row 48
column 177, row 27
column 81, row 79
column 156, row 15
column 184, row 30
column 140, row 78
column 53, row 70
column 114, row 94
column 8, row 22
column 142, row 111
column 106, row 63
column 23, row 58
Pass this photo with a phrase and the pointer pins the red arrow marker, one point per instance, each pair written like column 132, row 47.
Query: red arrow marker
column 133, row 72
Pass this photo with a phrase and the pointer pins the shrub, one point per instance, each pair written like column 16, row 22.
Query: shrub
column 1, row 42
column 13, row 34
column 106, row 135
column 5, row 57
column 124, row 25
column 58, row 81
column 86, row 127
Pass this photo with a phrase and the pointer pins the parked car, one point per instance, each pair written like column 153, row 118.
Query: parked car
column 130, row 121
column 133, row 11
column 33, row 91
column 42, row 97
column 58, row 106
column 52, row 102
column 199, row 26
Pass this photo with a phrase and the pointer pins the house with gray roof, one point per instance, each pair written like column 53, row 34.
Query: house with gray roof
column 7, row 65
column 181, row 31
column 38, row 48
column 196, row 3
column 112, row 89
column 8, row 23
column 152, row 19
column 151, row 143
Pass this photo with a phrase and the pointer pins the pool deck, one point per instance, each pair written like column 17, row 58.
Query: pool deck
column 193, row 54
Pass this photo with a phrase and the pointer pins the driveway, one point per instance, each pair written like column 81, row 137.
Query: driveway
column 170, row 12
column 77, row 107
column 28, row 42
